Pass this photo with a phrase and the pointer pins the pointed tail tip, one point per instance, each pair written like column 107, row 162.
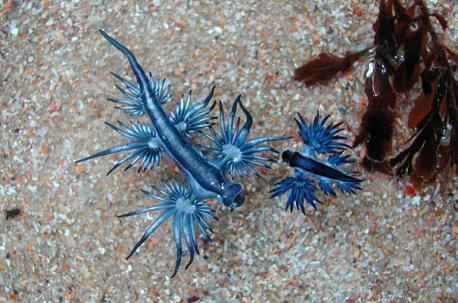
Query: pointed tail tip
column 110, row 39
column 103, row 33
column 83, row 159
column 130, row 255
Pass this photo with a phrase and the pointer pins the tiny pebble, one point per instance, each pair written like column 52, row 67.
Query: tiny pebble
column 79, row 169
column 14, row 31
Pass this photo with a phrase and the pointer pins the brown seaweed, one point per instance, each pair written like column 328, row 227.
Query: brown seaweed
column 406, row 50
column 325, row 67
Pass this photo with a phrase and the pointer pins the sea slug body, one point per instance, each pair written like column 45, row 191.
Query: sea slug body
column 171, row 135
column 321, row 160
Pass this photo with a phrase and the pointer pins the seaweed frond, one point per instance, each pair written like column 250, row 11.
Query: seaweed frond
column 406, row 50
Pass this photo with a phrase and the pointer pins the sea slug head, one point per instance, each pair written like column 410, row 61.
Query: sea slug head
column 233, row 195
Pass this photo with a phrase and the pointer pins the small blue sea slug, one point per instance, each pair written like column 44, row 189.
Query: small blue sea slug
column 321, row 165
column 208, row 168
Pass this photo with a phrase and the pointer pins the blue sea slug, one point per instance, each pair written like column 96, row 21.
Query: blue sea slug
column 321, row 161
column 170, row 134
